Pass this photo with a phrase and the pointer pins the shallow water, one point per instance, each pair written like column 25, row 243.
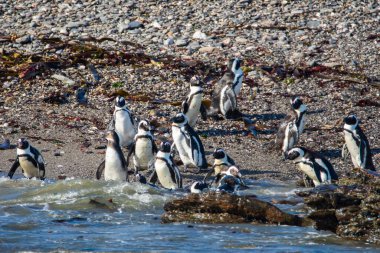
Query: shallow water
column 78, row 215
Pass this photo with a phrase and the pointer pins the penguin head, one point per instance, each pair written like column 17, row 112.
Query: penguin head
column 144, row 126
column 22, row 143
column 351, row 121
column 165, row 147
column 295, row 154
column 140, row 178
column 195, row 81
column 297, row 105
column 233, row 171
column 198, row 187
column 120, row 102
column 112, row 136
column 179, row 120
column 219, row 153
column 234, row 65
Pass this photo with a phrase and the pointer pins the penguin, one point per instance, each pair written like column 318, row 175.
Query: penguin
column 224, row 95
column 231, row 180
column 165, row 170
column 193, row 106
column 114, row 165
column 292, row 126
column 29, row 159
column 315, row 166
column 188, row 143
column 143, row 148
column 221, row 164
column 357, row 144
column 123, row 123
column 199, row 187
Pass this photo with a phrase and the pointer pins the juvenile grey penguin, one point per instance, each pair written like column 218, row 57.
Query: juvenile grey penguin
column 29, row 159
column 315, row 166
column 165, row 170
column 143, row 148
column 224, row 99
column 357, row 144
column 123, row 123
column 114, row 165
column 193, row 106
column 231, row 180
column 188, row 143
column 292, row 126
column 221, row 164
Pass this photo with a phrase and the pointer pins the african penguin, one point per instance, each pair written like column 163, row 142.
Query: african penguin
column 231, row 180
column 357, row 144
column 193, row 106
column 123, row 123
column 188, row 143
column 143, row 148
column 291, row 127
column 165, row 170
column 221, row 164
column 29, row 159
column 114, row 165
column 315, row 166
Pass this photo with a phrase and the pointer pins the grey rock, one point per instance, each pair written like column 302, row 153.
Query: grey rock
column 72, row 25
column 199, row 35
column 313, row 23
column 181, row 43
column 134, row 25
column 24, row 39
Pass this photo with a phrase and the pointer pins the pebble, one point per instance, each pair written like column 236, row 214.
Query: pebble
column 181, row 42
column 199, row 35
column 24, row 39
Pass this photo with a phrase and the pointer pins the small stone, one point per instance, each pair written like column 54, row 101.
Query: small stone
column 157, row 25
column 24, row 39
column 134, row 25
column 313, row 23
column 181, row 42
column 207, row 49
column 169, row 42
column 241, row 40
column 226, row 42
column 199, row 35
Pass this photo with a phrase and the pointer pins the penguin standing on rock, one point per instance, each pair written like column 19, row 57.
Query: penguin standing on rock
column 165, row 170
column 292, row 126
column 143, row 148
column 29, row 159
column 193, row 106
column 316, row 167
column 224, row 95
column 221, row 164
column 188, row 143
column 123, row 123
column 114, row 165
column 357, row 144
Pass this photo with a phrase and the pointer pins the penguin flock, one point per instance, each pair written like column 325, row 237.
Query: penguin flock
column 224, row 173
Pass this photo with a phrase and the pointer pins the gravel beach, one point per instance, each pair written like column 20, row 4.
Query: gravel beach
column 326, row 52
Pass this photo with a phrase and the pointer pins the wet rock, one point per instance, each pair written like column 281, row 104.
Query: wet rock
column 227, row 208
column 24, row 39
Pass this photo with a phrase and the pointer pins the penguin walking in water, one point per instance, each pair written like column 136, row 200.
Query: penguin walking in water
column 143, row 148
column 221, row 164
column 188, row 143
column 231, row 180
column 193, row 106
column 165, row 170
column 29, row 159
column 224, row 99
column 123, row 123
column 114, row 165
column 292, row 126
column 357, row 144
column 315, row 166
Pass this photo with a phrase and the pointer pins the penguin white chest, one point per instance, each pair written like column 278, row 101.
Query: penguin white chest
column 164, row 175
column 194, row 109
column 28, row 167
column 113, row 169
column 354, row 150
column 143, row 153
column 183, row 148
column 124, row 128
column 308, row 170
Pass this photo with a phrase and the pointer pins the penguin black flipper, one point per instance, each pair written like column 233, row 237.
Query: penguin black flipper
column 41, row 167
column 131, row 151
column 230, row 160
column 153, row 178
column 317, row 169
column 13, row 169
column 194, row 141
column 154, row 147
column 203, row 112
column 185, row 106
column 365, row 151
column 100, row 170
